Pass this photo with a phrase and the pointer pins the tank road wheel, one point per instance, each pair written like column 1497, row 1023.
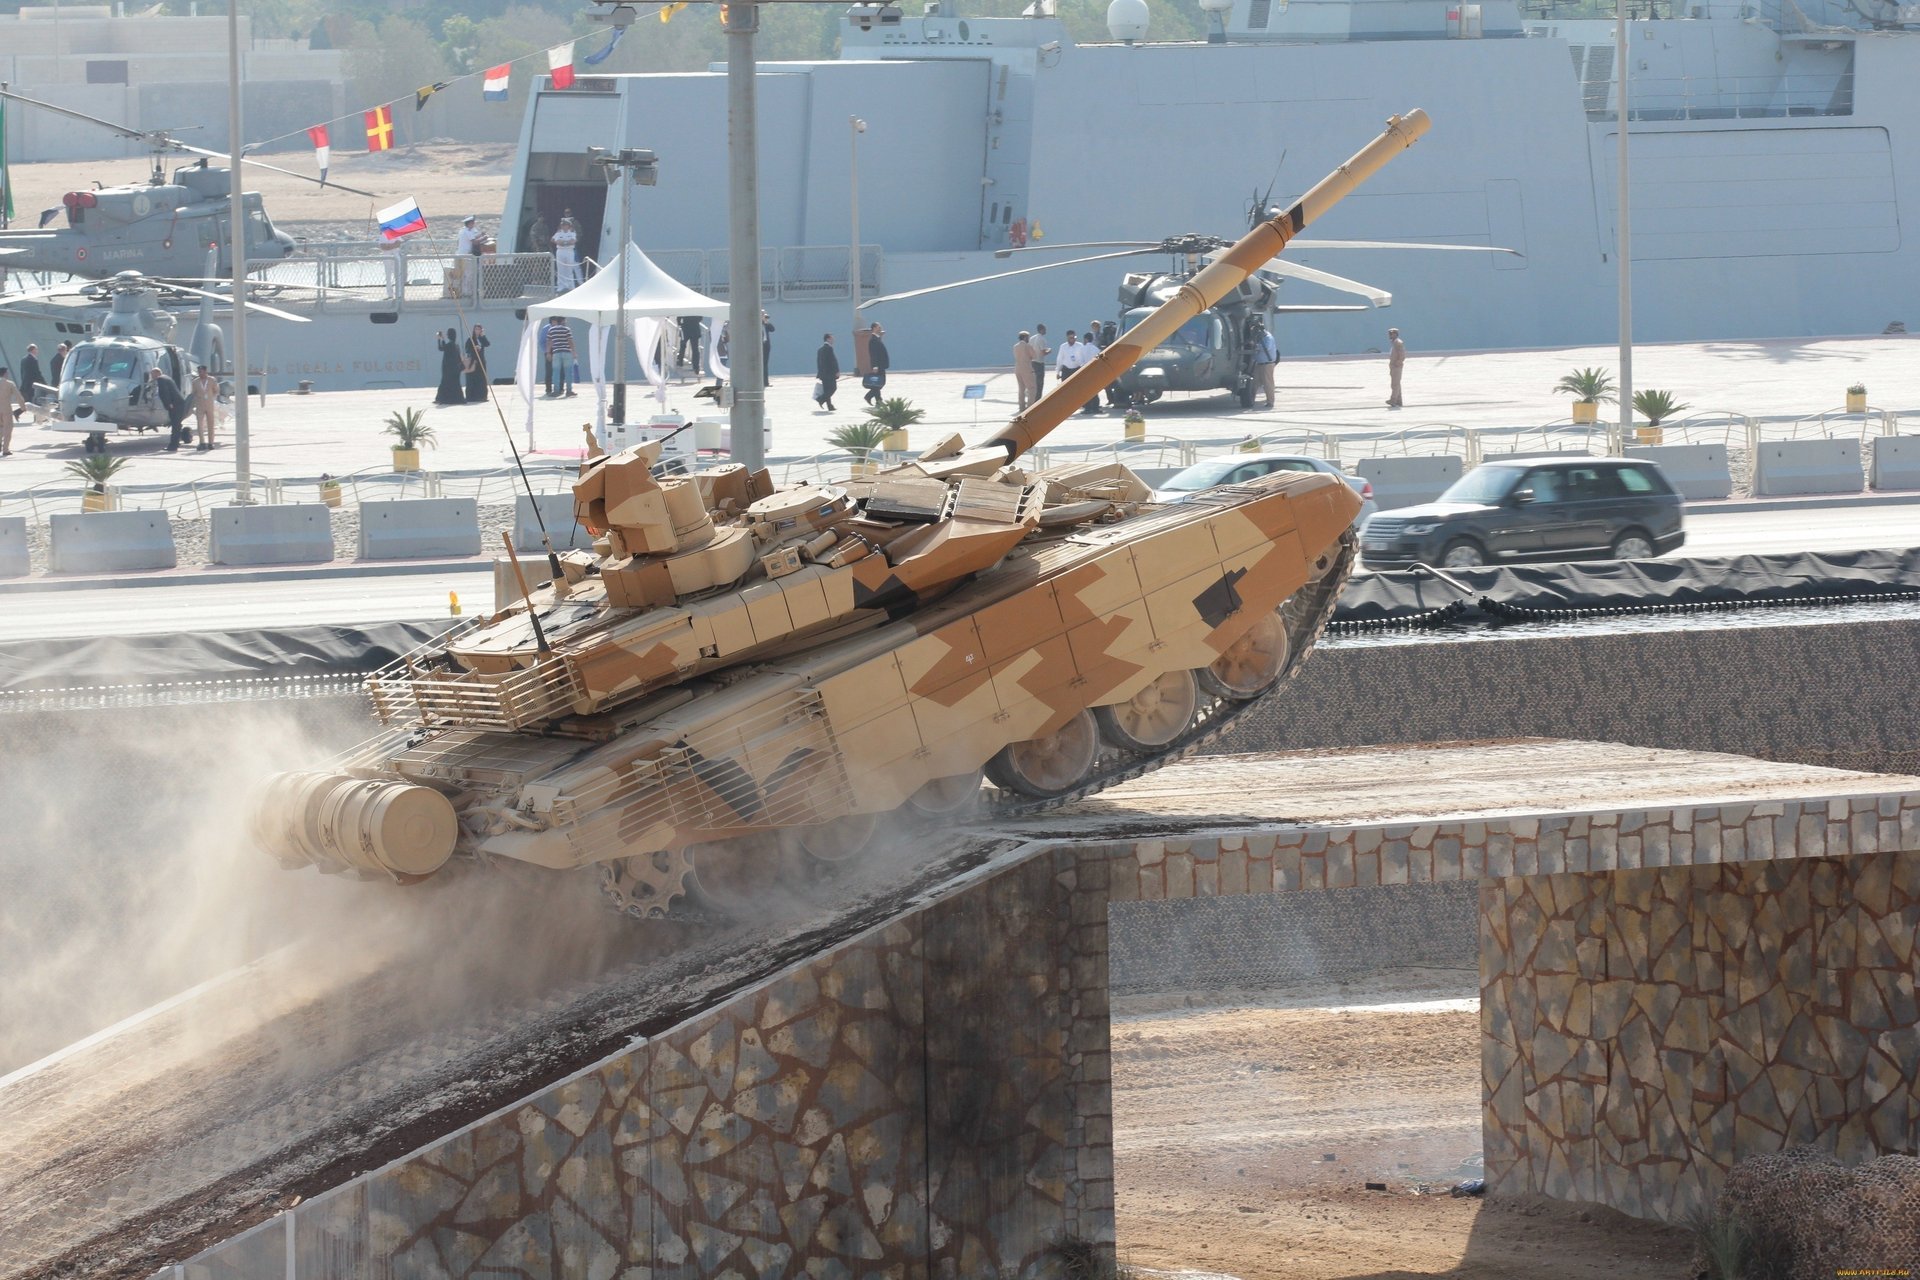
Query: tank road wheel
column 1251, row 664
column 840, row 840
column 1154, row 716
column 648, row 885
column 1051, row 766
column 944, row 797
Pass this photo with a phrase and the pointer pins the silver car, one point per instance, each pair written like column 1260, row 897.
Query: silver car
column 1235, row 467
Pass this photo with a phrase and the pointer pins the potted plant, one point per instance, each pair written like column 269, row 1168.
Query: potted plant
column 860, row 439
column 1857, row 398
column 1656, row 407
column 96, row 469
column 896, row 413
column 1134, row 425
column 329, row 490
column 1588, row 387
column 409, row 429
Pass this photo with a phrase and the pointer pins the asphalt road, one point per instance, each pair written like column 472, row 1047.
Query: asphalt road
column 350, row 600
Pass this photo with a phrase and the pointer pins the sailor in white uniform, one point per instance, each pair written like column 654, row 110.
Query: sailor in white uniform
column 566, row 256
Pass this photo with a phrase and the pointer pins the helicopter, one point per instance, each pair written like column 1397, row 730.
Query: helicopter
column 158, row 227
column 104, row 384
column 1214, row 350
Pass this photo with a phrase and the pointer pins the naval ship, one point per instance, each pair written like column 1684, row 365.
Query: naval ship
column 1772, row 152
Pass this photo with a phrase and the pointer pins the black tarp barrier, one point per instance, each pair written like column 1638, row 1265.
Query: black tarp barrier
column 1612, row 585
column 277, row 653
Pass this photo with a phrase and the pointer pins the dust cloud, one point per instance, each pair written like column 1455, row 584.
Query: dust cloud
column 127, row 875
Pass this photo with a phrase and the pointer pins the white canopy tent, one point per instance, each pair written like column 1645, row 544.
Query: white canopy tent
column 655, row 300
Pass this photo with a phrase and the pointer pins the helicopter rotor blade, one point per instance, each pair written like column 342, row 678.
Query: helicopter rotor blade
column 262, row 164
column 1400, row 244
column 261, row 307
column 1080, row 244
column 124, row 130
column 1001, row 275
column 1374, row 295
column 1318, row 309
column 46, row 291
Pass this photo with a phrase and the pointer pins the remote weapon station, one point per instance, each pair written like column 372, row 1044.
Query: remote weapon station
column 740, row 681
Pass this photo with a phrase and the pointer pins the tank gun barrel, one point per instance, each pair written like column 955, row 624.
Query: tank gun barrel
column 1218, row 279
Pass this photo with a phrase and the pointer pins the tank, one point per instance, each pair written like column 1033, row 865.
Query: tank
column 742, row 684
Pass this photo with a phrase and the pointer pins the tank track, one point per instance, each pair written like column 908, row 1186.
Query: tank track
column 1306, row 614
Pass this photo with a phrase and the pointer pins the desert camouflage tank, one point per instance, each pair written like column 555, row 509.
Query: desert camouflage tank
column 741, row 681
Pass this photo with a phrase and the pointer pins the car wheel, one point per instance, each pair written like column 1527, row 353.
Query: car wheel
column 1463, row 553
column 1633, row 545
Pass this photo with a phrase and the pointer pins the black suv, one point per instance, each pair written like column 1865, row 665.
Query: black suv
column 1534, row 509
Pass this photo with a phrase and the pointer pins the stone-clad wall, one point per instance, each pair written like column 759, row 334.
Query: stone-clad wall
column 1831, row 694
column 931, row 1099
column 1644, row 1030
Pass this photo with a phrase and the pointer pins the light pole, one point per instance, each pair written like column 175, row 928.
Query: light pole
column 625, row 166
column 1625, row 266
column 856, row 127
column 237, row 252
column 746, row 365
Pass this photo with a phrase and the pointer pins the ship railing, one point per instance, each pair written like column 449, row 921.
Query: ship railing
column 795, row 273
column 396, row 277
column 719, row 275
column 422, row 686
column 1765, row 97
column 712, row 780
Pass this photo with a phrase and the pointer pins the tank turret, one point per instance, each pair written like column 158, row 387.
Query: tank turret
column 740, row 681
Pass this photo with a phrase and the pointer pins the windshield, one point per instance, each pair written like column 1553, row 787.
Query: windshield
column 98, row 362
column 1483, row 484
column 1202, row 475
column 1201, row 331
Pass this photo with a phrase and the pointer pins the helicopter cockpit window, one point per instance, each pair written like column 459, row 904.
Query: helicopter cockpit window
column 1201, row 331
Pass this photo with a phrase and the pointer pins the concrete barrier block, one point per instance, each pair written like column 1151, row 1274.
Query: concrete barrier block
column 111, row 542
column 556, row 512
column 1405, row 482
column 1896, row 465
column 414, row 528
column 295, row 533
column 13, row 547
column 1699, row 472
column 1783, row 467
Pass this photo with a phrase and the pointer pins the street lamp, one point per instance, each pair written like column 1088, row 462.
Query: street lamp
column 634, row 166
column 856, row 127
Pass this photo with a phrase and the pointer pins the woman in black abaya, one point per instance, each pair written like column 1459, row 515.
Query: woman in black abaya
column 476, row 353
column 450, row 366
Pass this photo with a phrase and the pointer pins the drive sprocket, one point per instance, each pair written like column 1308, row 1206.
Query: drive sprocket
column 648, row 886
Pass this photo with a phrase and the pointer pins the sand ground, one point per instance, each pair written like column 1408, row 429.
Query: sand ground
column 1227, row 1107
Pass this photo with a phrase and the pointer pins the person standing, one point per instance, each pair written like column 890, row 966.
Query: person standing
column 1090, row 348
column 1040, row 353
column 1069, row 357
column 1396, row 360
column 878, row 362
column 539, row 235
column 30, row 376
column 1266, row 355
column 476, row 362
column 60, row 361
column 469, row 237
column 10, row 399
column 450, row 366
column 566, row 256
column 206, row 407
column 826, row 368
column 766, row 345
column 1025, row 361
column 560, row 355
column 542, row 337
column 167, row 392
column 688, row 353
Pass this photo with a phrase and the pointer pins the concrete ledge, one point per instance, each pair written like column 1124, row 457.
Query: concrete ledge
column 111, row 542
column 410, row 528
column 556, row 512
column 13, row 547
column 1700, row 472
column 1406, row 482
column 1896, row 463
column 298, row 533
column 1807, row 466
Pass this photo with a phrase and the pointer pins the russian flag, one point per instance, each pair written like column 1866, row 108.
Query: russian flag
column 401, row 219
column 493, row 85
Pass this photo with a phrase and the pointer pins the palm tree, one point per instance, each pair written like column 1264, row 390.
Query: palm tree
column 860, row 438
column 409, row 428
column 96, row 469
column 895, row 413
column 1590, row 386
column 1657, row 406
